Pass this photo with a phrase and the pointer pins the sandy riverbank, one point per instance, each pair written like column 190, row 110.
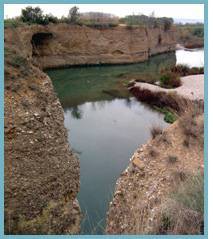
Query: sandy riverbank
column 192, row 87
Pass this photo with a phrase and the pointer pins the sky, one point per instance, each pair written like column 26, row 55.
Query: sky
column 176, row 11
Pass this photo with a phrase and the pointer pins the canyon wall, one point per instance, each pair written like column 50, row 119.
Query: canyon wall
column 77, row 45
column 145, row 200
column 41, row 177
column 41, row 173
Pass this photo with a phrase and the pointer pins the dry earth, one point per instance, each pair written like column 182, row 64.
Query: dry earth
column 155, row 170
column 192, row 87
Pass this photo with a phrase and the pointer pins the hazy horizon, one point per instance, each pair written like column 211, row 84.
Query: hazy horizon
column 179, row 12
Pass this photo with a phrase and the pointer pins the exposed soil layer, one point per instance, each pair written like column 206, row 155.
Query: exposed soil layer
column 143, row 191
column 65, row 45
column 41, row 173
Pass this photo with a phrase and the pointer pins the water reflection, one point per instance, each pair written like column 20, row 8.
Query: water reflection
column 76, row 112
column 76, row 86
column 105, row 126
column 106, row 135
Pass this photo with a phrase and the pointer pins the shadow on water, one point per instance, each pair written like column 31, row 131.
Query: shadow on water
column 105, row 126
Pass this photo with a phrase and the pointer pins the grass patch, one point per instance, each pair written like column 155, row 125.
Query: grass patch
column 190, row 193
column 170, row 117
column 13, row 23
column 170, row 80
column 183, row 212
column 184, row 70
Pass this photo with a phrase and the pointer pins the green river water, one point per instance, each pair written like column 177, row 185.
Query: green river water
column 105, row 125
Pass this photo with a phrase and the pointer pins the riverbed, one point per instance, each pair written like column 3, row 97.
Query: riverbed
column 106, row 125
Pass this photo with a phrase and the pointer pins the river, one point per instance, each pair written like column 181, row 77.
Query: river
column 106, row 125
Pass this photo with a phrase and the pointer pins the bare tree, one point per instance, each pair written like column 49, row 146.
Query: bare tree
column 73, row 15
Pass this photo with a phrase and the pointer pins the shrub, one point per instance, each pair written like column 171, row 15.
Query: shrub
column 148, row 21
column 196, row 70
column 164, row 138
column 32, row 15
column 155, row 131
column 51, row 18
column 172, row 159
column 98, row 20
column 14, row 22
column 178, row 220
column 184, row 70
column 170, row 80
column 192, row 125
column 198, row 31
column 170, row 117
column 181, row 69
column 160, row 99
column 153, row 153
column 35, row 15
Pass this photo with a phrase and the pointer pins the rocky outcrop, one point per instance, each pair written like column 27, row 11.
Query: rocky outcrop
column 77, row 45
column 41, row 174
column 143, row 201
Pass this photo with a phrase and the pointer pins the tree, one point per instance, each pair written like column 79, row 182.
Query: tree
column 35, row 16
column 32, row 15
column 73, row 15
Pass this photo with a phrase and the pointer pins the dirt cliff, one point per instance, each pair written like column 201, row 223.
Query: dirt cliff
column 161, row 191
column 41, row 173
column 64, row 45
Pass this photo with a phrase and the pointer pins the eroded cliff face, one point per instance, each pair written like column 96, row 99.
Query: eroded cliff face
column 41, row 177
column 77, row 45
column 144, row 201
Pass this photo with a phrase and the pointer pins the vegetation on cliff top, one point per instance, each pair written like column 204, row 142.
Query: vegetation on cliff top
column 191, row 35
column 148, row 21
column 35, row 15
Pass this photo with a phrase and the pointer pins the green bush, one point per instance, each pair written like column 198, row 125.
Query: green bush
column 35, row 15
column 172, row 159
column 170, row 117
column 13, row 22
column 198, row 31
column 148, row 21
column 183, row 70
column 170, row 80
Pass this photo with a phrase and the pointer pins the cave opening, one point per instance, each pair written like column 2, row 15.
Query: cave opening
column 39, row 42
